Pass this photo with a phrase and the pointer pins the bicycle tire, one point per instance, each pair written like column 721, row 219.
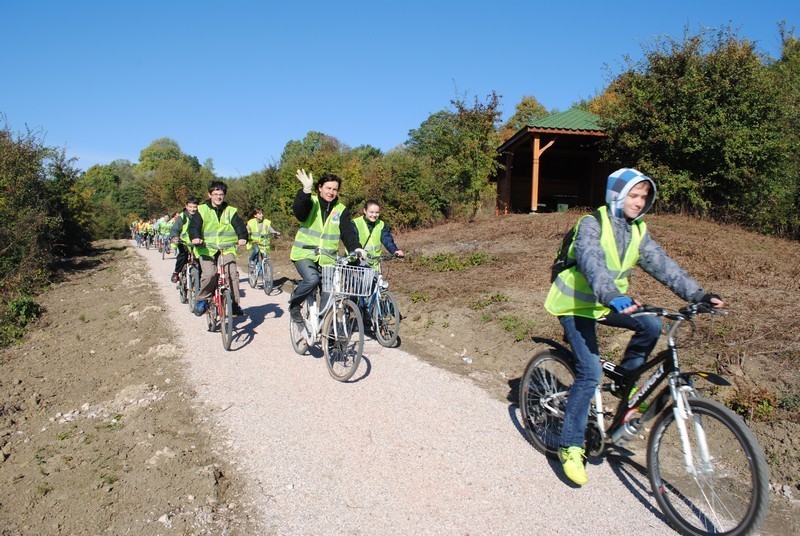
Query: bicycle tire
column 386, row 319
column 192, row 286
column 266, row 274
column 163, row 251
column 731, row 495
column 226, row 319
column 296, row 333
column 211, row 315
column 543, row 394
column 341, row 325
column 183, row 289
column 252, row 274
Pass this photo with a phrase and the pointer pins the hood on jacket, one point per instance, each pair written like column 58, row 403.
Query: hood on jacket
column 620, row 183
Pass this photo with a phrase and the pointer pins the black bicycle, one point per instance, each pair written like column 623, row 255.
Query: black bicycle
column 705, row 467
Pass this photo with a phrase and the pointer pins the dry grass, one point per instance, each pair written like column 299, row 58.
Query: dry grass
column 757, row 345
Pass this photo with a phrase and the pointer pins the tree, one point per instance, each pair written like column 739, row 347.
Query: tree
column 526, row 111
column 699, row 114
column 159, row 151
column 461, row 146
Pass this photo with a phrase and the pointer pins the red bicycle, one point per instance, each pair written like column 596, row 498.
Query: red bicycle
column 220, row 306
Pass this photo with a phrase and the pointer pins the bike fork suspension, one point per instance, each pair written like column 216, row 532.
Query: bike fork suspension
column 683, row 412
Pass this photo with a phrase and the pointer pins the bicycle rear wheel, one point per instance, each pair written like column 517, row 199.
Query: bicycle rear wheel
column 728, row 492
column 296, row 332
column 212, row 315
column 543, row 394
column 386, row 315
column 343, row 340
column 266, row 273
column 226, row 319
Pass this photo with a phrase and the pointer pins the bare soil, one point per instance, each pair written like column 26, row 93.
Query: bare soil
column 99, row 432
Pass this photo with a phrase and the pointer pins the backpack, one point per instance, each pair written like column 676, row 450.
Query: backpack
column 562, row 261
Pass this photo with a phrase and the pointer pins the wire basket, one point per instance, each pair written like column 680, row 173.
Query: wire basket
column 345, row 279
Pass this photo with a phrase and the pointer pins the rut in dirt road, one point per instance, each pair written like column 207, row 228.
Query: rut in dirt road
column 402, row 447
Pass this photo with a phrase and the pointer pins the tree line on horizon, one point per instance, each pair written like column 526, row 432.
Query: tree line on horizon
column 711, row 118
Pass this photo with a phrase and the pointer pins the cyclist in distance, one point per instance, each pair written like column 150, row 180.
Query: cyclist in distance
column 324, row 220
column 179, row 235
column 373, row 233
column 216, row 229
column 593, row 284
column 259, row 230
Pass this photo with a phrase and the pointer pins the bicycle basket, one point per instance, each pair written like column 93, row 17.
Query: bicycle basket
column 351, row 280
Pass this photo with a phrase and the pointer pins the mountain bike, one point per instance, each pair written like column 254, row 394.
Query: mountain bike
column 705, row 467
column 381, row 309
column 189, row 280
column 261, row 269
column 337, row 322
column 220, row 306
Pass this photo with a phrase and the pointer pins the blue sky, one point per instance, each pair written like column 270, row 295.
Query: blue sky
column 236, row 80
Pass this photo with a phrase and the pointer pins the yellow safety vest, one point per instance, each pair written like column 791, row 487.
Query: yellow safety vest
column 371, row 241
column 313, row 233
column 218, row 233
column 570, row 293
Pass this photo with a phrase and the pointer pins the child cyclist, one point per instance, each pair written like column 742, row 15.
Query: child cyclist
column 374, row 234
column 179, row 235
column 260, row 230
column 606, row 246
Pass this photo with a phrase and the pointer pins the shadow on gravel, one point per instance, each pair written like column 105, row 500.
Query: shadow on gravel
column 633, row 476
column 246, row 330
column 631, row 473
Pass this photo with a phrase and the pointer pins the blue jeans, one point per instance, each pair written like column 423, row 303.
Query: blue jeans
column 309, row 271
column 581, row 334
column 254, row 254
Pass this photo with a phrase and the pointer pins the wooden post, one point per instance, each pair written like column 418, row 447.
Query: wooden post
column 506, row 195
column 537, row 153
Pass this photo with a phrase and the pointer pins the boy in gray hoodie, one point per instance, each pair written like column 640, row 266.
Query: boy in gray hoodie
column 606, row 247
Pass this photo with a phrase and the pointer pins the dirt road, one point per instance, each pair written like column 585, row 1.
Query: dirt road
column 404, row 447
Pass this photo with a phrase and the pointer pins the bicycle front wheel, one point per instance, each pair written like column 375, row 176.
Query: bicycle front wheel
column 386, row 318
column 343, row 340
column 727, row 490
column 226, row 319
column 543, row 394
column 266, row 273
column 192, row 285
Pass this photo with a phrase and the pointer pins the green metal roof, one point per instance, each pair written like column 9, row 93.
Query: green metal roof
column 572, row 119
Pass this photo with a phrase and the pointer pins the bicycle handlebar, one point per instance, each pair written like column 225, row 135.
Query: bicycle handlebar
column 686, row 313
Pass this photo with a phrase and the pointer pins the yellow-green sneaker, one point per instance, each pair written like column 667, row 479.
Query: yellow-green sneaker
column 572, row 462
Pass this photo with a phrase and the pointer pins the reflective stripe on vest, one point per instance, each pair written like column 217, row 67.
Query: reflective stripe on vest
column 314, row 234
column 218, row 233
column 570, row 293
column 370, row 241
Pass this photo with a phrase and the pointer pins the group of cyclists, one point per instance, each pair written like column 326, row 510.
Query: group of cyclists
column 214, row 229
column 153, row 232
column 591, row 287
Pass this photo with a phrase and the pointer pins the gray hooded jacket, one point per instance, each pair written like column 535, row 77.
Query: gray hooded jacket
column 591, row 258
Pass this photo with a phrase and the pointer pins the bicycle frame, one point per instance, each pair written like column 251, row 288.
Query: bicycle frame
column 667, row 368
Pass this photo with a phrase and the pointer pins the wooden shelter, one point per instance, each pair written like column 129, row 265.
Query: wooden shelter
column 552, row 164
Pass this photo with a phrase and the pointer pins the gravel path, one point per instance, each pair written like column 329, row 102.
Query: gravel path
column 406, row 448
